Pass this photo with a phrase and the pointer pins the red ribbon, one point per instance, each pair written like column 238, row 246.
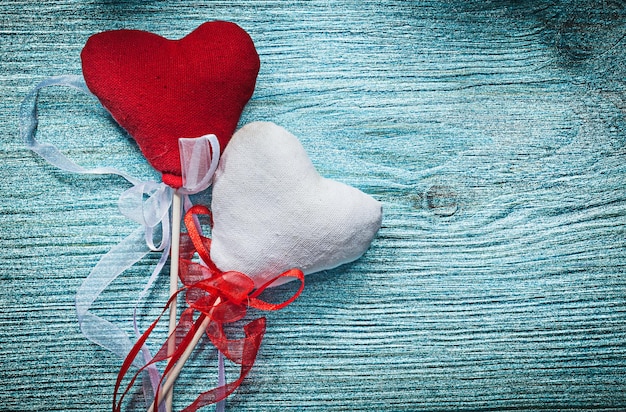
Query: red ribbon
column 221, row 297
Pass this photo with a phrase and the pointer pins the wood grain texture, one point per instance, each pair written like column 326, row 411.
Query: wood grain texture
column 493, row 132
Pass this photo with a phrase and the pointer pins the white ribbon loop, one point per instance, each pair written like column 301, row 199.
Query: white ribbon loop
column 148, row 204
column 29, row 123
column 200, row 157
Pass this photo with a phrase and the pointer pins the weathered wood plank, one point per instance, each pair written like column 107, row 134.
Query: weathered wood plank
column 493, row 133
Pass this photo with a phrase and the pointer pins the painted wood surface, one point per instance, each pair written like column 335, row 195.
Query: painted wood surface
column 493, row 132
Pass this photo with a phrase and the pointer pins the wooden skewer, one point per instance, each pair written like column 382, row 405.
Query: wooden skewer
column 175, row 251
column 171, row 377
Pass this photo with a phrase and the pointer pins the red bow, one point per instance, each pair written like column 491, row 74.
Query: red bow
column 220, row 298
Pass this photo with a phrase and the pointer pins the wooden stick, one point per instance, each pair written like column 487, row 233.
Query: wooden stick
column 175, row 251
column 171, row 377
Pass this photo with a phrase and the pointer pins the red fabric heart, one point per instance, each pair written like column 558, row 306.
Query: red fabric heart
column 160, row 90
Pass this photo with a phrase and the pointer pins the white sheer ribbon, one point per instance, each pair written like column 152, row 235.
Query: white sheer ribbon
column 147, row 203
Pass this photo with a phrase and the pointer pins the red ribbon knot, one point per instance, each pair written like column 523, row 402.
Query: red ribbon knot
column 220, row 298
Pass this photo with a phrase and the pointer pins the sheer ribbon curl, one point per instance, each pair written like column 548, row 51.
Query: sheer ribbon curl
column 148, row 203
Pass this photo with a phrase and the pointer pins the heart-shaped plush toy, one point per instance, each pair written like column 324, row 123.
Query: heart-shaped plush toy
column 272, row 211
column 160, row 90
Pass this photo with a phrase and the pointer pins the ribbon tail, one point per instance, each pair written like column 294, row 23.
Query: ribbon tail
column 111, row 265
column 29, row 123
column 221, row 380
column 153, row 373
column 101, row 331
column 130, row 360
column 254, row 332
column 150, row 384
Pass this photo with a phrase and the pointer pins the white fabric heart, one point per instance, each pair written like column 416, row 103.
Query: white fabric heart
column 272, row 211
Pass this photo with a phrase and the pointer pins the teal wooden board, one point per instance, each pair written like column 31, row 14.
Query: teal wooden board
column 494, row 134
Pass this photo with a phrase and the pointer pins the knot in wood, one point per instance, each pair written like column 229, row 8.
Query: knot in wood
column 442, row 200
